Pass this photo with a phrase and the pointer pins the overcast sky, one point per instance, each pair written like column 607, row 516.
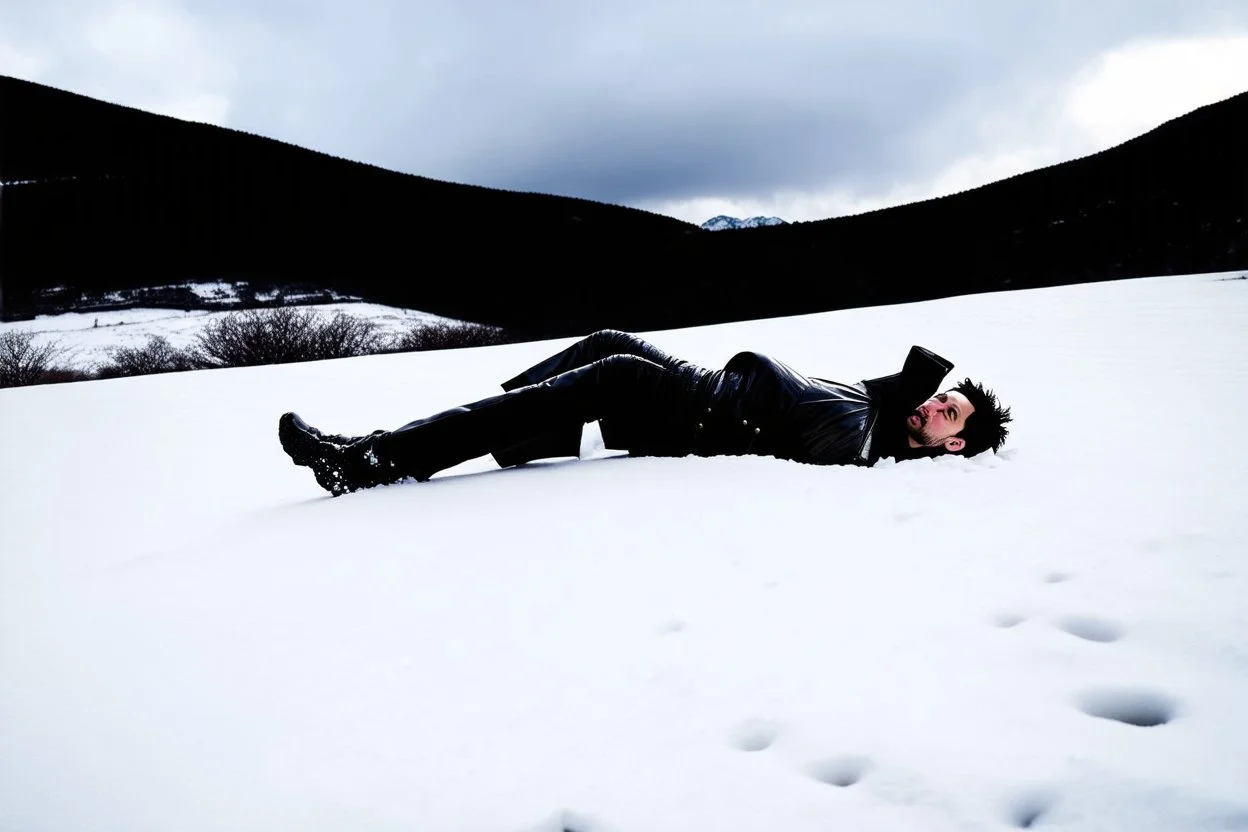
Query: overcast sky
column 802, row 109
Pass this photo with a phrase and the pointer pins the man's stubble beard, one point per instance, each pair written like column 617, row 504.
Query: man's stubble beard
column 920, row 433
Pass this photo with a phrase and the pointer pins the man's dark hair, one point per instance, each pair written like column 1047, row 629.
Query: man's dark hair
column 985, row 428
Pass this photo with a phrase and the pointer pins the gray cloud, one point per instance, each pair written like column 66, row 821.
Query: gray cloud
column 638, row 103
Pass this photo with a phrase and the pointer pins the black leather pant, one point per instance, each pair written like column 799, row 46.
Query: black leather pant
column 643, row 397
column 601, row 344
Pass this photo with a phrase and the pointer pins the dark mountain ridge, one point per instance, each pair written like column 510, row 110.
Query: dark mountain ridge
column 112, row 196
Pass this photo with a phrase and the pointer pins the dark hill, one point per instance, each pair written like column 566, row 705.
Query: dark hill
column 113, row 196
column 1172, row 201
column 110, row 196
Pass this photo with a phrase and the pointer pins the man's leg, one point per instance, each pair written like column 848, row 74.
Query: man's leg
column 601, row 344
column 564, row 439
column 626, row 388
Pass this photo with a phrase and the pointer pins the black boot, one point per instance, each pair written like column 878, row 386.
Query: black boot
column 338, row 468
column 294, row 434
column 293, row 421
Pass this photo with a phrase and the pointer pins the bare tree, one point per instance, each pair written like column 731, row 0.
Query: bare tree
column 24, row 362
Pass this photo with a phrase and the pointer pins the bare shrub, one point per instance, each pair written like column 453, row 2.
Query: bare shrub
column 156, row 356
column 283, row 335
column 254, row 337
column 446, row 335
column 345, row 335
column 23, row 362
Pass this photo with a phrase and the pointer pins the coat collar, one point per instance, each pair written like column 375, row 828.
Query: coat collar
column 894, row 396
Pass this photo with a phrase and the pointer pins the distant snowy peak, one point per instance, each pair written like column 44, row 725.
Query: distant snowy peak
column 722, row 222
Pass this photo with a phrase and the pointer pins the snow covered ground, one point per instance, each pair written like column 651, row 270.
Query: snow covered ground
column 194, row 637
column 91, row 338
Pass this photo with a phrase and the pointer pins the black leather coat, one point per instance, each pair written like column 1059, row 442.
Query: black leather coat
column 759, row 405
column 665, row 406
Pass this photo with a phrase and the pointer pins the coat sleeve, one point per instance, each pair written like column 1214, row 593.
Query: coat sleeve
column 927, row 367
column 920, row 378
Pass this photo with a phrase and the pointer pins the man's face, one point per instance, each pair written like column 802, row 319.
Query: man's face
column 934, row 423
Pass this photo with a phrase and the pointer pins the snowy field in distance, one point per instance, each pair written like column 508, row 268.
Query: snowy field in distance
column 194, row 637
column 91, row 337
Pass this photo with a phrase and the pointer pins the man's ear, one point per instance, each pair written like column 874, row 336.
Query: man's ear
column 955, row 444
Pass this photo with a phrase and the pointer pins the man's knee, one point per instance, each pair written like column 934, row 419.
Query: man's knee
column 608, row 341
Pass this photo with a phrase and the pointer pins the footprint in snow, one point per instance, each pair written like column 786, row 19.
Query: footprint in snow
column 567, row 820
column 754, row 735
column 1005, row 620
column 1090, row 628
column 1129, row 705
column 1026, row 809
column 841, row 771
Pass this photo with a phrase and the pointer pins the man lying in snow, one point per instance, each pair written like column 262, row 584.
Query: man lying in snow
column 651, row 404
